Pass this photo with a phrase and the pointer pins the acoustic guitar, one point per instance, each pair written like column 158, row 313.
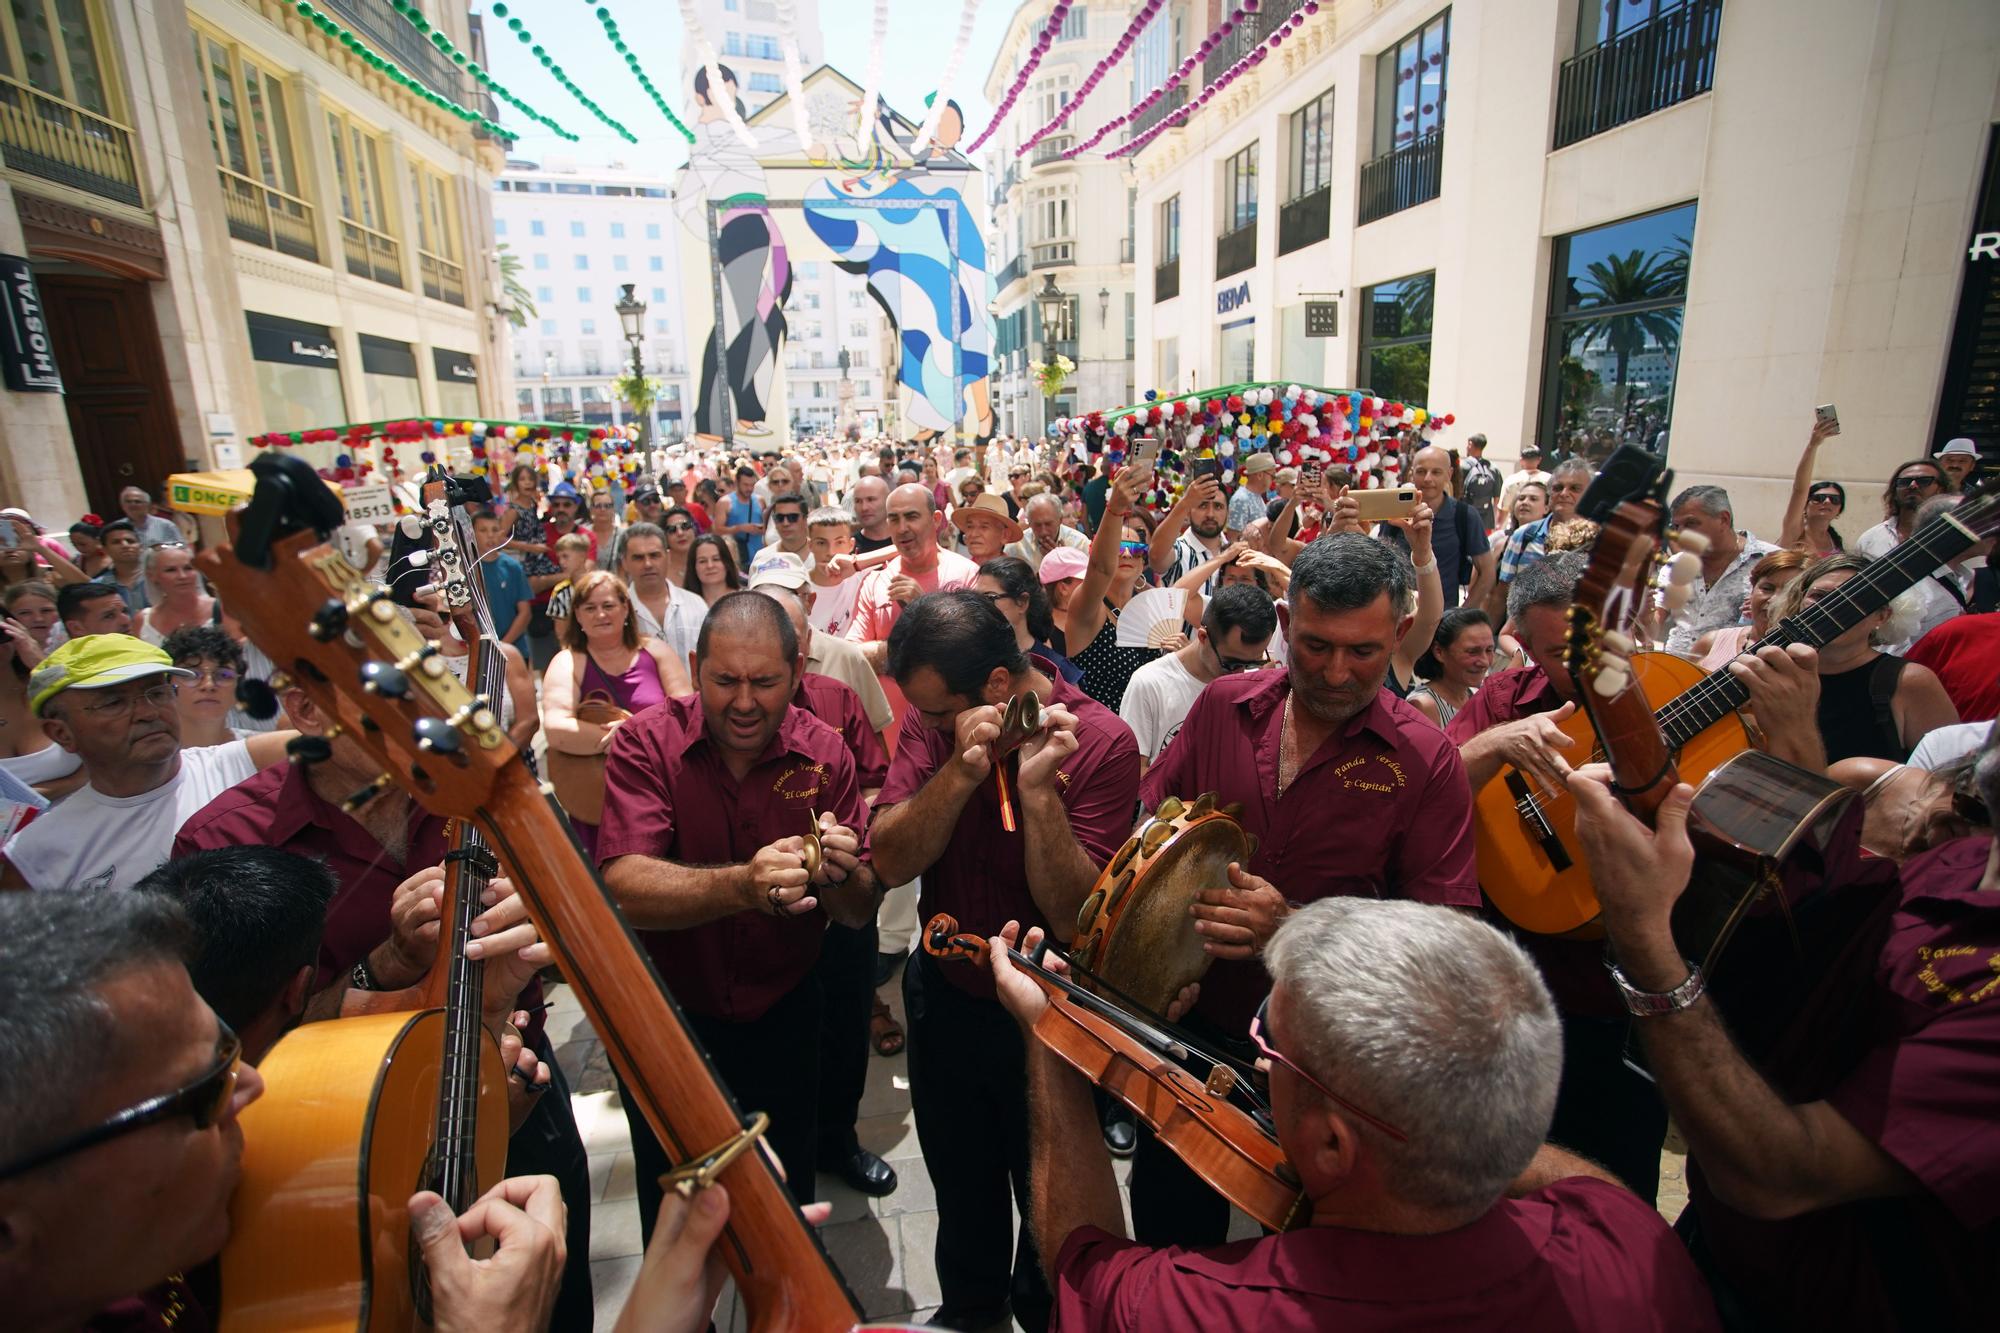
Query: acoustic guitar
column 362, row 1112
column 330, row 630
column 1530, row 865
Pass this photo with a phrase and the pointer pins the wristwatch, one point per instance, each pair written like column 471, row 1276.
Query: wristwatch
column 363, row 977
column 1651, row 1004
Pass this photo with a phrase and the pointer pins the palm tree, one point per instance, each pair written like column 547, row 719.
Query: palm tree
column 520, row 305
column 1619, row 281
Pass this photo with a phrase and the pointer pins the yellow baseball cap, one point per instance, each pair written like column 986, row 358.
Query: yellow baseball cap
column 94, row 662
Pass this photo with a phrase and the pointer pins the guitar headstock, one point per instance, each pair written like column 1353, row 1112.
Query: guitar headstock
column 1978, row 509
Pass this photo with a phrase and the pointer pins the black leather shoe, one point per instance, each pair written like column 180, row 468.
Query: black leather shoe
column 885, row 966
column 1121, row 1136
column 863, row 1170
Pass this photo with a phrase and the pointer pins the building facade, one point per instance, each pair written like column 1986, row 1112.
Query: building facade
column 1060, row 239
column 1681, row 222
column 238, row 223
column 749, row 38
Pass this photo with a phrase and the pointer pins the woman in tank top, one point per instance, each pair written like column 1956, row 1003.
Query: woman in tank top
column 177, row 598
column 1870, row 702
column 605, row 657
column 1768, row 577
column 1450, row 673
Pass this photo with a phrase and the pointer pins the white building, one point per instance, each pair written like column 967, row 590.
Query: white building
column 748, row 38
column 1066, row 223
column 238, row 223
column 1749, row 207
column 580, row 235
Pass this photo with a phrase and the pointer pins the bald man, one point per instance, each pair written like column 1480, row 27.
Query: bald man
column 1464, row 558
column 870, row 502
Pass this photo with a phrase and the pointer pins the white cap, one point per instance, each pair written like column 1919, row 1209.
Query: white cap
column 778, row 568
column 1961, row 445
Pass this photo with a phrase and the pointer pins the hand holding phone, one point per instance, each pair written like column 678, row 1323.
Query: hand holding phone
column 1377, row 505
column 1826, row 421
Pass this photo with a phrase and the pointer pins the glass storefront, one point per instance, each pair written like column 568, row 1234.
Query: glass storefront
column 1395, row 361
column 298, row 374
column 389, row 388
column 457, row 383
column 1614, row 339
column 1301, row 360
column 1236, row 352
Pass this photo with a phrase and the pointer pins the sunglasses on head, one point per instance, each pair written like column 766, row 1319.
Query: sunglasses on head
column 205, row 1099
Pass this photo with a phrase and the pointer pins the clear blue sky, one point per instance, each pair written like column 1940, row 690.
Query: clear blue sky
column 920, row 38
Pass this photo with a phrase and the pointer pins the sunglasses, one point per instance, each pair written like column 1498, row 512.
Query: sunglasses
column 1825, row 498
column 1270, row 1053
column 679, row 527
column 1915, row 482
column 787, row 520
column 1132, row 548
column 1231, row 665
column 206, row 1099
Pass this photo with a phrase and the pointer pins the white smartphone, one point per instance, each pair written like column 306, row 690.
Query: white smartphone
column 1146, row 452
column 1826, row 412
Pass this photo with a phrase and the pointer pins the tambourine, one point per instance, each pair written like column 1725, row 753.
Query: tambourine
column 1134, row 930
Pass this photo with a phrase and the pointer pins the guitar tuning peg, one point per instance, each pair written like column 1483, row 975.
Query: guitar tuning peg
column 417, row 559
column 1610, row 682
column 1621, row 644
column 256, row 697
column 384, row 679
column 1678, row 595
column 437, row 736
column 330, row 621
column 1691, row 543
column 308, row 749
column 426, row 659
column 1684, row 568
column 477, row 715
column 364, row 795
column 411, row 526
column 375, row 603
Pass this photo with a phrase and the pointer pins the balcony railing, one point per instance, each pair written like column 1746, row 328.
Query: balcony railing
column 1167, row 280
column 370, row 254
column 1245, row 37
column 1005, row 182
column 1016, row 269
column 59, row 141
column 1402, row 178
column 1052, row 255
column 1159, row 111
column 1052, row 148
column 1125, row 249
column 390, row 33
column 267, row 217
column 1305, row 220
column 1236, row 250
column 1645, row 69
column 443, row 280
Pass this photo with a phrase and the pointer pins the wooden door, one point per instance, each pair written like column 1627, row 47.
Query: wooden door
column 121, row 413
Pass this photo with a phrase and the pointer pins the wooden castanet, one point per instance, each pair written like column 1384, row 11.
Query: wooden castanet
column 320, row 1224
column 1530, row 862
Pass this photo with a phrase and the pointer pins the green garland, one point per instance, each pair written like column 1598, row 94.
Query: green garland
column 394, row 72
column 610, row 26
column 556, row 71
column 415, row 14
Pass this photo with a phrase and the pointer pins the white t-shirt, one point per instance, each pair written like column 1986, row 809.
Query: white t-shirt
column 92, row 841
column 1157, row 700
column 833, row 608
column 1878, row 541
column 1941, row 745
column 682, row 628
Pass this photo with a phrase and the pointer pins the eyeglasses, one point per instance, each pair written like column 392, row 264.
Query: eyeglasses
column 223, row 676
column 160, row 696
column 206, row 1099
column 679, row 527
column 1265, row 1049
column 1231, row 665
column 1132, row 548
column 1915, row 482
column 788, row 519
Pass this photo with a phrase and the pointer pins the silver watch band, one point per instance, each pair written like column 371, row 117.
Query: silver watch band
column 1651, row 1004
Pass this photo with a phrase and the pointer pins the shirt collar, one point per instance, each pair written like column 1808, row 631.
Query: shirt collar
column 1268, row 695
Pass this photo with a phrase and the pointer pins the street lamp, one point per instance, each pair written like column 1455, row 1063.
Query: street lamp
column 632, row 315
column 1054, row 304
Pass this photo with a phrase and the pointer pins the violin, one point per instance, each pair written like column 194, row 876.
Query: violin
column 1145, row 1065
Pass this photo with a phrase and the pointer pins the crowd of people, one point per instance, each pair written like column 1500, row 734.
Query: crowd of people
column 701, row 659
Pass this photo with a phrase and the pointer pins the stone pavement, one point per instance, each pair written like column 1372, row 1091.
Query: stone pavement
column 883, row 1247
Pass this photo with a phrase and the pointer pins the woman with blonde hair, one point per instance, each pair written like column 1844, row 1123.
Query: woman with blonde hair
column 1768, row 577
column 605, row 672
column 175, row 593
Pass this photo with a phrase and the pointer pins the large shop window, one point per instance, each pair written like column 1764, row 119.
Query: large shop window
column 1299, row 357
column 389, row 385
column 1236, row 351
column 298, row 373
column 1614, row 339
column 1396, row 338
column 457, row 383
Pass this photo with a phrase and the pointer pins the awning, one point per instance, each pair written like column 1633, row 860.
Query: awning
column 214, row 492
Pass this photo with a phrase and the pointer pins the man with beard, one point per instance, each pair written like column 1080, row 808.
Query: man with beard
column 1909, row 486
column 1347, row 789
column 1191, row 534
column 109, row 700
column 705, row 799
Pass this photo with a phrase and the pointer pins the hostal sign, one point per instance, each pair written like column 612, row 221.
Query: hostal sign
column 27, row 355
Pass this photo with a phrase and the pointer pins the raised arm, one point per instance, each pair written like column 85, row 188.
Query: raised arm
column 1086, row 608
column 1160, row 550
column 1430, row 592
column 1792, row 534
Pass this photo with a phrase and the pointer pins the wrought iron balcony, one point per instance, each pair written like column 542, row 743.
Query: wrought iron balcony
column 1305, row 220
column 1159, row 111
column 1402, row 178
column 443, row 280
column 396, row 38
column 1052, row 148
column 1236, row 250
column 1015, row 270
column 268, row 217
column 61, row 142
column 1666, row 60
column 1167, row 280
column 1245, row 37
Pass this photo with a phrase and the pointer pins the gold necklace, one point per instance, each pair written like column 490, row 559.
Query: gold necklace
column 1286, row 747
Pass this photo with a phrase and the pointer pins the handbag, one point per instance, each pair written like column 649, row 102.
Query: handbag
column 579, row 778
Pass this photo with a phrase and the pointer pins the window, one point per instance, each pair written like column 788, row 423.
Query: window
column 661, row 326
column 731, row 6
column 1598, row 23
column 1167, row 353
column 545, row 293
column 1410, row 86
column 659, row 295
column 652, row 231
column 809, row 270
column 1396, row 338
column 1170, row 230
column 617, row 231
column 857, row 328
column 1615, row 305
column 1236, row 351
column 536, row 227
column 761, row 82
column 1052, row 215
column 541, row 261
column 1076, row 23
column 1312, row 146
column 619, row 263
column 856, row 298
column 588, row 328
column 250, row 130
column 582, row 262
column 437, row 213
column 1239, row 189
column 357, row 168
column 1131, row 323
column 593, row 360
column 576, row 229
column 548, row 328
column 499, row 226
column 656, row 264
column 754, row 45
column 583, row 295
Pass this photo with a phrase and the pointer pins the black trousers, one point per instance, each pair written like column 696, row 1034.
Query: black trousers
column 1171, row 1205
column 1607, row 1111
column 847, row 980
column 548, row 1144
column 769, row 1064
column 968, row 1088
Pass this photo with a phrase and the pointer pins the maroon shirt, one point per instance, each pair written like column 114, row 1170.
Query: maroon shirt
column 1381, row 810
column 668, row 794
column 1580, row 1254
column 982, row 877
column 835, row 703
column 1904, row 1042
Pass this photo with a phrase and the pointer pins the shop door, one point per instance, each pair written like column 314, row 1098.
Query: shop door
column 121, row 414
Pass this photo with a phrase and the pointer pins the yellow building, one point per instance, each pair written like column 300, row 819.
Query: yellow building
column 237, row 221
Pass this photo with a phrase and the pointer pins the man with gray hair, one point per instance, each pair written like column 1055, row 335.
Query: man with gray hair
column 1347, row 789
column 153, row 529
column 1725, row 565
column 1411, row 1056
column 1529, row 542
column 1043, row 515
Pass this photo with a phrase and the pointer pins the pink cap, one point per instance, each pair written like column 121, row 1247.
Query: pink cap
column 1065, row 562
